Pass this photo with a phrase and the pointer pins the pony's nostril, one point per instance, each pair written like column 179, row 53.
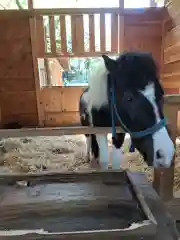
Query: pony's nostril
column 159, row 154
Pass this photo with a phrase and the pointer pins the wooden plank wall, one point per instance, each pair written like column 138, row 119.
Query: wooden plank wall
column 61, row 105
column 171, row 48
column 143, row 32
column 170, row 65
column 17, row 84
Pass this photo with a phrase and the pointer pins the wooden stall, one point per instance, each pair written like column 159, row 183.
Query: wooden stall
column 24, row 101
column 144, row 27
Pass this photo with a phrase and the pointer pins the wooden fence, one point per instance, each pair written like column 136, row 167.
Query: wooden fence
column 74, row 32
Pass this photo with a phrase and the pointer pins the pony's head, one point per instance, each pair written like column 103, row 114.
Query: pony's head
column 139, row 103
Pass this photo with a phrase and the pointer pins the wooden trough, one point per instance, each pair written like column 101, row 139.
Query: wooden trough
column 84, row 205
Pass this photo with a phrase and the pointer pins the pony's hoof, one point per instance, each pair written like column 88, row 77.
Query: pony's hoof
column 94, row 163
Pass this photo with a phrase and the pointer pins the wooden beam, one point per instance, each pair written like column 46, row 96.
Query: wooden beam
column 166, row 227
column 63, row 34
column 102, row 33
column 106, row 176
column 91, row 34
column 153, row 3
column 114, row 32
column 121, row 4
column 121, row 34
column 172, row 99
column 61, row 206
column 78, row 11
column 58, row 131
column 77, row 54
column 40, row 32
column 30, row 4
column 40, row 110
column 52, row 34
column 162, row 47
column 79, row 25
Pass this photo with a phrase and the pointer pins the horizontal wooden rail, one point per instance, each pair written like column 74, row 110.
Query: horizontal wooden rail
column 56, row 131
column 64, row 177
column 117, row 10
column 67, row 11
column 79, row 55
column 60, row 131
column 172, row 99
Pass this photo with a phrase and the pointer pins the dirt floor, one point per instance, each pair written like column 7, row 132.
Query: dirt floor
column 64, row 153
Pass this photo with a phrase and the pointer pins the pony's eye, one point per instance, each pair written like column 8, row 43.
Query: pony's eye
column 129, row 99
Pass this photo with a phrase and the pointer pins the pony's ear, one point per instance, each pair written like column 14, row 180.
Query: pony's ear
column 110, row 64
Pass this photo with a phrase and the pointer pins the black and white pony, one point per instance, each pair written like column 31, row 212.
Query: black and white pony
column 126, row 92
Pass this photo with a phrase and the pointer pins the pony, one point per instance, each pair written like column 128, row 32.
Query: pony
column 126, row 92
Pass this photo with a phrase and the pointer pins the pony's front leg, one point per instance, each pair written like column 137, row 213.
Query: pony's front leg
column 103, row 150
column 88, row 147
column 116, row 150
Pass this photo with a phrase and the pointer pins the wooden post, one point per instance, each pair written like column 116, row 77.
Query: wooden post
column 164, row 178
column 121, row 28
column 40, row 110
column 121, row 4
column 48, row 74
column 153, row 3
column 30, row 4
column 32, row 23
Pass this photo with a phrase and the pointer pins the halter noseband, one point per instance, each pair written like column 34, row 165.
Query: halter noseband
column 114, row 113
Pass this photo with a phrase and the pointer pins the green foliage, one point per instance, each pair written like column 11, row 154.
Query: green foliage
column 21, row 4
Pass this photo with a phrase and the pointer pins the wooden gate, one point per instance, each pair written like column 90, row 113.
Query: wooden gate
column 78, row 32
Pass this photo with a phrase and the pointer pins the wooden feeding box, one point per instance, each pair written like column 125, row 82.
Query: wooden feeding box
column 84, row 205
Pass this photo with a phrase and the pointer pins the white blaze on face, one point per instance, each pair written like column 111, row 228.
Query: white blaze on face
column 161, row 139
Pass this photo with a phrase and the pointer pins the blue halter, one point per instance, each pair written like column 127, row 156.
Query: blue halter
column 114, row 113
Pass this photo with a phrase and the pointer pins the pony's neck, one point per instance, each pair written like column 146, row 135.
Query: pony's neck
column 98, row 86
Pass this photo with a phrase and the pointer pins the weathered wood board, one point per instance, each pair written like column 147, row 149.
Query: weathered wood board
column 88, row 204
column 98, row 207
column 17, row 82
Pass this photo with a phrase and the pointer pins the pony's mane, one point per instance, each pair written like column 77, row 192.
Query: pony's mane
column 137, row 70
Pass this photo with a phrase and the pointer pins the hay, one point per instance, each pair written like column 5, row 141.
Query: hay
column 64, row 153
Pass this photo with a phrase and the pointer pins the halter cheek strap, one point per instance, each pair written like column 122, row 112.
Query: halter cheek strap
column 140, row 134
